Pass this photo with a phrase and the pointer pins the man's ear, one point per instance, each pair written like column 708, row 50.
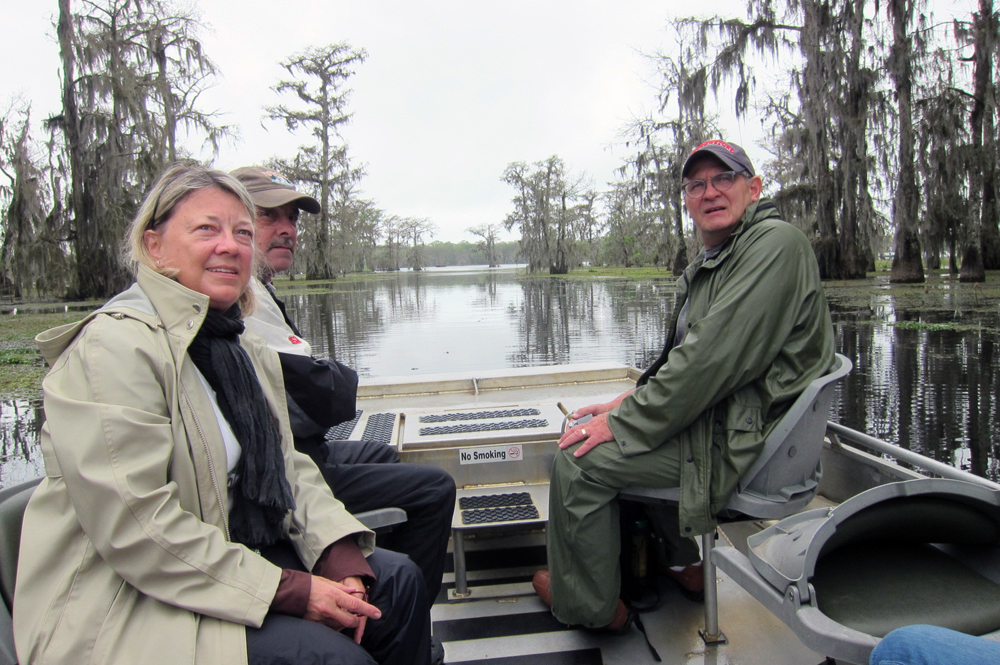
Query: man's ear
column 756, row 187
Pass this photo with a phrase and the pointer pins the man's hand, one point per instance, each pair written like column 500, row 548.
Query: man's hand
column 592, row 432
column 598, row 409
column 335, row 604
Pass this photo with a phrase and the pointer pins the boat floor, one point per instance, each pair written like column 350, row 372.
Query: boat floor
column 516, row 628
column 504, row 622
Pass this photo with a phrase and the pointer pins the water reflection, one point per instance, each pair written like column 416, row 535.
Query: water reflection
column 930, row 389
column 419, row 323
column 20, row 454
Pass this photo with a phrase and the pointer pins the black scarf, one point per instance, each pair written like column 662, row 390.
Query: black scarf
column 262, row 496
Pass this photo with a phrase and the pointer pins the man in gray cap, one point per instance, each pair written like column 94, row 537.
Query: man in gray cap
column 321, row 393
column 749, row 330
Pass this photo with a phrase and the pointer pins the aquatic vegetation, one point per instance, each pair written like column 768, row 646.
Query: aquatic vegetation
column 23, row 366
column 933, row 327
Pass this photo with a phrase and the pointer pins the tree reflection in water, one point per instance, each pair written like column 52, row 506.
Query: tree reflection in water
column 925, row 372
column 20, row 454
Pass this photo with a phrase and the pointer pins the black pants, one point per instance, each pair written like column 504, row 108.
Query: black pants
column 366, row 475
column 401, row 637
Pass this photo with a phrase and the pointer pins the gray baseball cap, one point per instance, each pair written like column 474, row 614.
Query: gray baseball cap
column 729, row 154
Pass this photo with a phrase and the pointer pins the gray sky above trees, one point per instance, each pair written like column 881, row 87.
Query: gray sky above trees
column 451, row 93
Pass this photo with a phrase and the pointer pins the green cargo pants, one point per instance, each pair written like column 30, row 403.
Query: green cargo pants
column 583, row 533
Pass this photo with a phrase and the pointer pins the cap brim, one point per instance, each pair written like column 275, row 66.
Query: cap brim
column 725, row 159
column 275, row 198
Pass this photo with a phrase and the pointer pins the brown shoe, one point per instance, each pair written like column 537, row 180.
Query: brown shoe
column 691, row 580
column 542, row 584
column 622, row 619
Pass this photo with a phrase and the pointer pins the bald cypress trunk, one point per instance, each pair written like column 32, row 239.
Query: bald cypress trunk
column 982, row 180
column 907, row 264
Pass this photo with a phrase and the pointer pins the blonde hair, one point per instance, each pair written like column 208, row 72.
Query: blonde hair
column 176, row 184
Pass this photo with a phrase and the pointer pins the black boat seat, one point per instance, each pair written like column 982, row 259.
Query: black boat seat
column 782, row 481
column 916, row 552
column 381, row 520
column 13, row 501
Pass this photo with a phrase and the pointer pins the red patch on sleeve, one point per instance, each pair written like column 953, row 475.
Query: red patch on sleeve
column 294, row 340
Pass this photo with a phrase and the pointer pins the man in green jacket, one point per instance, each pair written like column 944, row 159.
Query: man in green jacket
column 750, row 330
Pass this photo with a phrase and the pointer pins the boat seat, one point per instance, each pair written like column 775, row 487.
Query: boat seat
column 382, row 520
column 914, row 552
column 13, row 501
column 782, row 481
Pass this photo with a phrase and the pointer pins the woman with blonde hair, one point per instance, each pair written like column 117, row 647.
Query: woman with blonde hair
column 175, row 522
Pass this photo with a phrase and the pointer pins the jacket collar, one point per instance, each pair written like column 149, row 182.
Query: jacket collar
column 156, row 300
column 755, row 213
column 180, row 309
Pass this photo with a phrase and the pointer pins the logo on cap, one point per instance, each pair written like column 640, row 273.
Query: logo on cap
column 721, row 144
column 278, row 178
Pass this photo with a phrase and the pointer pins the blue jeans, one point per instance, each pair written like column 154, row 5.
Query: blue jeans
column 930, row 645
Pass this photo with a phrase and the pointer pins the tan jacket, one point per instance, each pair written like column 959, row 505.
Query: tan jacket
column 125, row 554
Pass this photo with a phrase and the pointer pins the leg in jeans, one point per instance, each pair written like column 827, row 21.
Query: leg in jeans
column 930, row 645
column 401, row 637
column 583, row 531
column 366, row 475
column 287, row 640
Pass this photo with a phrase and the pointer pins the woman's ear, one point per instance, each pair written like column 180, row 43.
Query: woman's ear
column 153, row 245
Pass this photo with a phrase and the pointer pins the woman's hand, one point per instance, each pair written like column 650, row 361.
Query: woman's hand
column 339, row 605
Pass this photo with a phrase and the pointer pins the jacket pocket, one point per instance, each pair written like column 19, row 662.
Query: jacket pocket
column 743, row 418
column 142, row 629
column 736, row 445
column 114, row 624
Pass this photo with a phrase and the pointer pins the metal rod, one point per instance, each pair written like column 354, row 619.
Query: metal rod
column 711, row 591
column 908, row 456
column 458, row 551
column 711, row 634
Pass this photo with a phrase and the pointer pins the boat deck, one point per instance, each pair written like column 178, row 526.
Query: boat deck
column 515, row 628
column 502, row 621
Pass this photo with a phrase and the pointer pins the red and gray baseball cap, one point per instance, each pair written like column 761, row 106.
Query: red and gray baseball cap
column 271, row 189
column 729, row 154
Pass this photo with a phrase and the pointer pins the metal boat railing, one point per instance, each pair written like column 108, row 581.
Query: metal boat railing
column 840, row 432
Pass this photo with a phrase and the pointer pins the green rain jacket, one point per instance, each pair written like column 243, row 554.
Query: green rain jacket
column 758, row 332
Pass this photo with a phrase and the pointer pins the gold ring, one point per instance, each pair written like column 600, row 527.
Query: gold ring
column 583, row 432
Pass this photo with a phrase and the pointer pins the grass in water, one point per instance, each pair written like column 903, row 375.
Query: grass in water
column 23, row 367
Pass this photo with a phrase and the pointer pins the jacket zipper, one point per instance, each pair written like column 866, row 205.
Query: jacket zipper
column 211, row 464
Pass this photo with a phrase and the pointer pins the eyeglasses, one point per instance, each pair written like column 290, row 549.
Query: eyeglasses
column 695, row 189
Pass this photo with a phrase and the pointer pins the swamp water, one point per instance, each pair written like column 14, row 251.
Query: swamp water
column 925, row 356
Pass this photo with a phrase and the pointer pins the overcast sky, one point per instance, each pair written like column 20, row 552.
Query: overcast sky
column 452, row 91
